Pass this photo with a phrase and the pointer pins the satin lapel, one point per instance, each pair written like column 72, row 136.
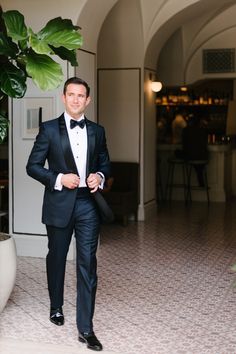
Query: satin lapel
column 65, row 142
column 91, row 146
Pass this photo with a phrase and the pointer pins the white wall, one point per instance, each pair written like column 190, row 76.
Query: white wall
column 37, row 13
column 27, row 193
column 171, row 71
column 119, row 112
column 91, row 19
column 121, row 42
column 87, row 71
column 120, row 93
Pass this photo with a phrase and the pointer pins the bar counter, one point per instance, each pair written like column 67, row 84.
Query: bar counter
column 220, row 171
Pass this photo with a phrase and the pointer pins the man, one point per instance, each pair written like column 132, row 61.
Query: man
column 177, row 126
column 78, row 164
column 195, row 145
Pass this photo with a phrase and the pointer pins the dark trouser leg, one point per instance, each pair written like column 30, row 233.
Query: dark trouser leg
column 58, row 246
column 87, row 225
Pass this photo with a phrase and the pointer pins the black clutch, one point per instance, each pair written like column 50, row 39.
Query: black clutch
column 105, row 211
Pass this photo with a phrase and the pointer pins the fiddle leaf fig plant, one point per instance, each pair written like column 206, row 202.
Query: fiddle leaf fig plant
column 3, row 128
column 26, row 54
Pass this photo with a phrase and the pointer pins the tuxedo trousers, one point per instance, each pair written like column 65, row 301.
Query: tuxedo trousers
column 85, row 225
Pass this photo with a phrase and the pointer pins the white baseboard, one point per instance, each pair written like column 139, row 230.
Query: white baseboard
column 36, row 246
column 147, row 210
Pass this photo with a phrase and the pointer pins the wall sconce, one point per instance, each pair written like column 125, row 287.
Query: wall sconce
column 156, row 86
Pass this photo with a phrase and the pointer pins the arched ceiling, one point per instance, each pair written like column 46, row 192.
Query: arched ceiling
column 210, row 29
column 163, row 27
column 91, row 19
column 154, row 14
column 160, row 19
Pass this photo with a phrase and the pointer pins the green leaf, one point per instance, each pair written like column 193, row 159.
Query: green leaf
column 7, row 47
column 38, row 46
column 61, row 33
column 4, row 124
column 66, row 54
column 31, row 52
column 23, row 45
column 55, row 25
column 12, row 81
column 45, row 72
column 15, row 25
column 66, row 38
column 234, row 267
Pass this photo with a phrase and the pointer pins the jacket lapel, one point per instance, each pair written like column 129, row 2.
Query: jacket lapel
column 91, row 145
column 68, row 155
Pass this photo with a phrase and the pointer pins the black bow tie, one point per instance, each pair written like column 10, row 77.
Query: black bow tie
column 80, row 123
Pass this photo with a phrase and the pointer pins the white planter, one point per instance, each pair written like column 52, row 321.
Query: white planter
column 7, row 268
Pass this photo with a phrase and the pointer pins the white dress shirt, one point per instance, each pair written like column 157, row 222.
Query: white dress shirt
column 79, row 144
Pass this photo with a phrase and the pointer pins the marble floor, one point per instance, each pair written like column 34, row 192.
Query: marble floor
column 165, row 287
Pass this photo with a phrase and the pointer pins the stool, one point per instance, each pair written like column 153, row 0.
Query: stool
column 193, row 164
column 170, row 183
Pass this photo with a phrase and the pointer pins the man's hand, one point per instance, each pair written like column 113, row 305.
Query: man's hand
column 93, row 181
column 70, row 180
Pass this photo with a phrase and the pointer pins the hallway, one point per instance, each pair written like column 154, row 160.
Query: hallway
column 165, row 287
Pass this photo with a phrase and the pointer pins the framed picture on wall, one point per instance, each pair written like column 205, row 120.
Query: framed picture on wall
column 35, row 111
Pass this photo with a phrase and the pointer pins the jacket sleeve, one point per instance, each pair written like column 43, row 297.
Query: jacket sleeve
column 103, row 155
column 35, row 167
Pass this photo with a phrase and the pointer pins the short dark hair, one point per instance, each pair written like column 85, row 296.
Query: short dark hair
column 78, row 81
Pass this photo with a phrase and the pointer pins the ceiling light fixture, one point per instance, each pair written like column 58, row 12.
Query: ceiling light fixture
column 183, row 88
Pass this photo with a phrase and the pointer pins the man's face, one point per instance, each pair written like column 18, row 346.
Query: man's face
column 75, row 100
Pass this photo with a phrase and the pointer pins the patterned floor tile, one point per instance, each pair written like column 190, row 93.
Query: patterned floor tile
column 165, row 287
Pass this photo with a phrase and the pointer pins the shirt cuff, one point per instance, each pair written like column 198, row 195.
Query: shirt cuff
column 58, row 186
column 101, row 185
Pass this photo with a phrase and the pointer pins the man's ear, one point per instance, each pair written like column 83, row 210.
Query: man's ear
column 88, row 100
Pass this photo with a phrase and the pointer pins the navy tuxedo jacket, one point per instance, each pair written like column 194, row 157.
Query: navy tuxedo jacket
column 52, row 146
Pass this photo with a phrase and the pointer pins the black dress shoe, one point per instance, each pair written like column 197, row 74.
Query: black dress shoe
column 57, row 317
column 91, row 340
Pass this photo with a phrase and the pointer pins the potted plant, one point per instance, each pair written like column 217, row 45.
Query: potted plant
column 8, row 268
column 25, row 54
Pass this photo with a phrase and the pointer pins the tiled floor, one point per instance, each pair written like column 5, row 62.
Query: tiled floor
column 165, row 287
